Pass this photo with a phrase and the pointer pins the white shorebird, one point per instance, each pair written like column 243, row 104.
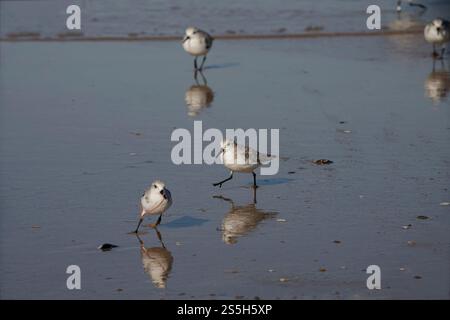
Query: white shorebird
column 411, row 3
column 239, row 158
column 437, row 32
column 197, row 43
column 155, row 200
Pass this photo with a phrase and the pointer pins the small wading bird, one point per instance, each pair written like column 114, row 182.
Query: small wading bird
column 241, row 159
column 437, row 32
column 155, row 200
column 411, row 3
column 197, row 43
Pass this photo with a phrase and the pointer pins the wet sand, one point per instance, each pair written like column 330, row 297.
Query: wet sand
column 85, row 127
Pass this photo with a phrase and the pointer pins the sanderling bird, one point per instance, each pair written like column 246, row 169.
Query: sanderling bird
column 155, row 200
column 239, row 158
column 411, row 3
column 437, row 32
column 197, row 43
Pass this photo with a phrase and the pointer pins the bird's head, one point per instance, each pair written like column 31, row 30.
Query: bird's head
column 225, row 145
column 159, row 187
column 438, row 23
column 189, row 33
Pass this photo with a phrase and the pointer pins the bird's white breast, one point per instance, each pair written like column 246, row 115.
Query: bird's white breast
column 155, row 203
column 240, row 160
column 196, row 45
column 432, row 36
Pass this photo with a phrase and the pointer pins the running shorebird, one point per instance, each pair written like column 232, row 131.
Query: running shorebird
column 239, row 158
column 197, row 43
column 155, row 200
column 437, row 32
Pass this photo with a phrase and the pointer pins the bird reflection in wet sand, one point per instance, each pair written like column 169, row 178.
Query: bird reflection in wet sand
column 437, row 84
column 157, row 262
column 199, row 96
column 241, row 220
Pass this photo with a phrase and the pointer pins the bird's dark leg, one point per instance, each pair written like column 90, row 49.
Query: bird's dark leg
column 195, row 64
column 140, row 240
column 442, row 52
column 254, row 180
column 254, row 195
column 203, row 62
column 203, row 78
column 159, row 220
column 221, row 182
column 434, row 54
column 154, row 225
column 139, row 224
column 158, row 234
column 195, row 76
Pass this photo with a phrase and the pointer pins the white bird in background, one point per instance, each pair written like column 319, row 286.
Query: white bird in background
column 411, row 3
column 197, row 43
column 437, row 32
column 241, row 159
column 155, row 200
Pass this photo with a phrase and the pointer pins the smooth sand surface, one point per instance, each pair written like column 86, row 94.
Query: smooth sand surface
column 85, row 127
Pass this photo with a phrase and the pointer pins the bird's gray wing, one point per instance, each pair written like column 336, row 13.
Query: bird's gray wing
column 208, row 39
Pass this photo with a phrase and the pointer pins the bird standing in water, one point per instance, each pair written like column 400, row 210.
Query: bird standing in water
column 197, row 43
column 437, row 32
column 155, row 200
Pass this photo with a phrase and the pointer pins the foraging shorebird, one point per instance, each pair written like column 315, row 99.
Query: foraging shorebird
column 197, row 43
column 239, row 158
column 411, row 3
column 155, row 200
column 157, row 262
column 437, row 32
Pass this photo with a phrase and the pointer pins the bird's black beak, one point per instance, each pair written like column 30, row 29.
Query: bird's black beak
column 220, row 152
column 163, row 193
column 186, row 38
column 438, row 30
